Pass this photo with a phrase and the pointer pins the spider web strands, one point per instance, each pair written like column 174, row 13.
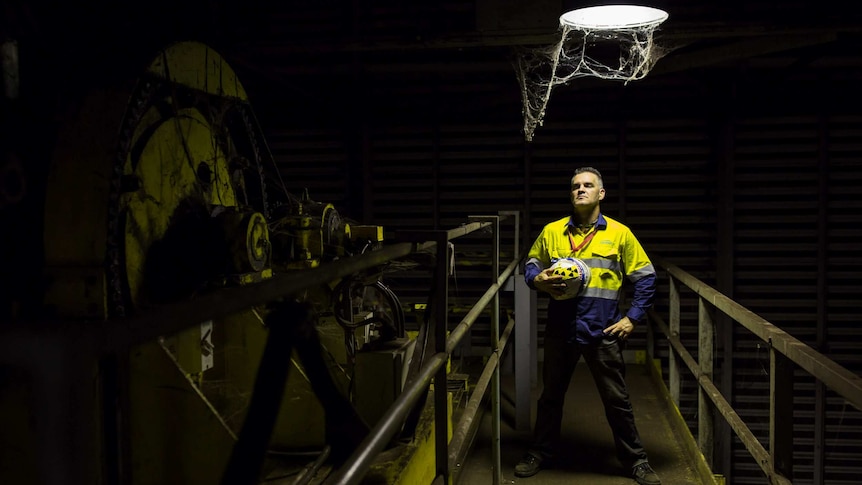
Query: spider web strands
column 623, row 54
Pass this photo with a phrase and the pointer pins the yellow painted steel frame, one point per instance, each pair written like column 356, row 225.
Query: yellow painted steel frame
column 174, row 437
column 414, row 462
column 181, row 419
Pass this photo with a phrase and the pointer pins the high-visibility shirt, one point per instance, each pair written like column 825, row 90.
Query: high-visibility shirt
column 612, row 253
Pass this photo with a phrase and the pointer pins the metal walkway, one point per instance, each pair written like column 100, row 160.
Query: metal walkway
column 587, row 454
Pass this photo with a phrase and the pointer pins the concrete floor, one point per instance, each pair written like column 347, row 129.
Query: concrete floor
column 587, row 455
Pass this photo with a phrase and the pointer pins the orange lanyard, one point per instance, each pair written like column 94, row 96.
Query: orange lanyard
column 587, row 239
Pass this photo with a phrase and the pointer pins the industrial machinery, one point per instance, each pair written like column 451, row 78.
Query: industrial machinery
column 164, row 189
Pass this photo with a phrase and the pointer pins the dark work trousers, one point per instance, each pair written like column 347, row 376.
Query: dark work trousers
column 605, row 361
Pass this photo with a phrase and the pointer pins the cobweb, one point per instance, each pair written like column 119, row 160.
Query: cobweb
column 625, row 54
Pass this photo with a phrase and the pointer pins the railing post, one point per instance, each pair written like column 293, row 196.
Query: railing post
column 780, row 412
column 495, row 345
column 524, row 355
column 673, row 359
column 786, row 353
column 705, row 422
column 441, row 324
column 525, row 352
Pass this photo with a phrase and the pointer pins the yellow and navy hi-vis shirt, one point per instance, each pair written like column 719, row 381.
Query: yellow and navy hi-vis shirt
column 612, row 252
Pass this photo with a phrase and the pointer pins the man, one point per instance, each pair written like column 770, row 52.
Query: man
column 591, row 324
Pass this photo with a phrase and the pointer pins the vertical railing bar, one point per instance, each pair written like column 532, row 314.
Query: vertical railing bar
column 777, row 461
column 751, row 443
column 356, row 465
column 525, row 314
column 705, row 424
column 673, row 359
column 837, row 377
column 441, row 392
column 460, row 330
column 354, row 468
column 780, row 413
column 465, row 430
column 495, row 345
column 462, row 433
column 650, row 342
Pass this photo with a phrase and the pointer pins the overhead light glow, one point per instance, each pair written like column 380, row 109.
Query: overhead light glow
column 612, row 17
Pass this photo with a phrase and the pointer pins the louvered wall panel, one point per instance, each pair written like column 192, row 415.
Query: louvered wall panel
column 438, row 179
column 404, row 194
column 313, row 160
column 777, row 196
column 843, row 263
column 481, row 173
column 844, row 230
column 404, row 178
column 671, row 189
column 669, row 201
column 774, row 160
column 562, row 147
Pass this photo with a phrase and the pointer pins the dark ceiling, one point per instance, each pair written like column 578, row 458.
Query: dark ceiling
column 325, row 54
column 96, row 37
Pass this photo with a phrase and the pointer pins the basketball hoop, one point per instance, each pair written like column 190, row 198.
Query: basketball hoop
column 608, row 42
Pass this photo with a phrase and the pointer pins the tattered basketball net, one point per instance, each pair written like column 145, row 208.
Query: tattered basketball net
column 607, row 42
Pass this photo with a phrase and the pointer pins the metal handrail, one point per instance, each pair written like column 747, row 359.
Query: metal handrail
column 357, row 465
column 783, row 348
column 836, row 377
column 467, row 425
column 77, row 344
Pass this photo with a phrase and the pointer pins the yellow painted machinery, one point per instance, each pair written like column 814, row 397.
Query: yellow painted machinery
column 163, row 189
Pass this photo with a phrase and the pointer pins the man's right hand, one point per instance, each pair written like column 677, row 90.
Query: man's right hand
column 548, row 282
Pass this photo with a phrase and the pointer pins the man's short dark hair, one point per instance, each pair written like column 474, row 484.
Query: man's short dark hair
column 591, row 170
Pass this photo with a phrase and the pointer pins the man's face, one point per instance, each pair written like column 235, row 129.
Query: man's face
column 586, row 191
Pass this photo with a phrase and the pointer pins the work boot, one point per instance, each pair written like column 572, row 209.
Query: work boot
column 645, row 475
column 529, row 465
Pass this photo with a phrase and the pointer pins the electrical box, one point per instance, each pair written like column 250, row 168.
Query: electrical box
column 379, row 377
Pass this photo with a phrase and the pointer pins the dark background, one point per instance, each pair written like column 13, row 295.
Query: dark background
column 737, row 158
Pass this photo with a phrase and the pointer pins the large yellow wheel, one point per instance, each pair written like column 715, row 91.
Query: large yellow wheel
column 156, row 192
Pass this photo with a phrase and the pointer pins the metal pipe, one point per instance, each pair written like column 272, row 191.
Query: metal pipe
column 757, row 451
column 19, row 342
column 459, row 331
column 465, row 430
column 311, row 469
column 495, row 342
column 171, row 318
column 358, row 463
column 836, row 377
column 441, row 388
column 119, row 334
